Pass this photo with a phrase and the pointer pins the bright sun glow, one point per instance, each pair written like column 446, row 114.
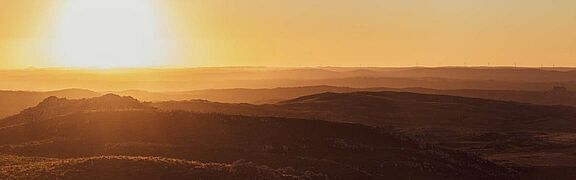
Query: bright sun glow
column 109, row 34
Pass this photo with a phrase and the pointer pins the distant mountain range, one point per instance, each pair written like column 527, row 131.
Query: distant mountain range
column 163, row 80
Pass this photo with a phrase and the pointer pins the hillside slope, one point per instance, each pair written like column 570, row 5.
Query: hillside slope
column 413, row 109
column 315, row 148
column 506, row 132
column 126, row 167
column 401, row 109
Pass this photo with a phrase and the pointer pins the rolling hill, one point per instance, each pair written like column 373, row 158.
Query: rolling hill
column 72, row 141
column 401, row 109
column 506, row 132
column 12, row 102
column 127, row 167
column 54, row 106
column 275, row 95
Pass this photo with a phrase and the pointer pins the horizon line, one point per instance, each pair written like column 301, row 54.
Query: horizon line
column 294, row 67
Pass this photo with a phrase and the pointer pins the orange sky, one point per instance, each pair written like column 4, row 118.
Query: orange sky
column 318, row 33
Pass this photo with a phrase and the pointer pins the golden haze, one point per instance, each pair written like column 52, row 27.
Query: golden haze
column 318, row 33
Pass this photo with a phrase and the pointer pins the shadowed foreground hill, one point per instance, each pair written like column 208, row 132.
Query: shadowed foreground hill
column 125, row 167
column 309, row 149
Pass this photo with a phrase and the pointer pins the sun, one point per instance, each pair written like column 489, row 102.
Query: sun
column 109, row 34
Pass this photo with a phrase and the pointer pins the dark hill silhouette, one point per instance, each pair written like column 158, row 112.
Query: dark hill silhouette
column 237, row 95
column 274, row 95
column 401, row 109
column 307, row 148
column 413, row 109
column 12, row 102
column 508, row 132
column 549, row 97
column 54, row 106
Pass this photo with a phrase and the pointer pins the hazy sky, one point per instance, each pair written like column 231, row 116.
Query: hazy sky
column 296, row 32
